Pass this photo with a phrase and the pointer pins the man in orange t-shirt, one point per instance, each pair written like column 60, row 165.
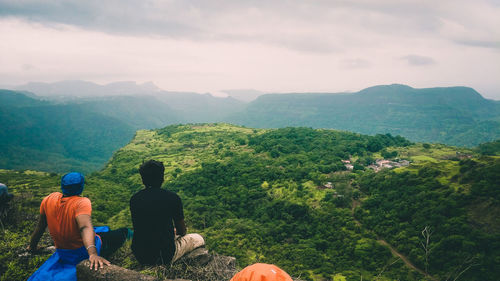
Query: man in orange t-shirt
column 61, row 213
column 67, row 216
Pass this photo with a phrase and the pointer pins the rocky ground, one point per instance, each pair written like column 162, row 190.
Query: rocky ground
column 196, row 266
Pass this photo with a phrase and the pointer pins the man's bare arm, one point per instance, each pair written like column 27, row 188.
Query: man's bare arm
column 88, row 236
column 180, row 227
column 37, row 233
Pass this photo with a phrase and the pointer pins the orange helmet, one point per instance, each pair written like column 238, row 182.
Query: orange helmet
column 261, row 272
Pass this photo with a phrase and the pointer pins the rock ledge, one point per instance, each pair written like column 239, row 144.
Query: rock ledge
column 195, row 266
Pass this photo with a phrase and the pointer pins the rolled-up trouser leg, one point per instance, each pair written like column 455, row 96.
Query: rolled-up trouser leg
column 112, row 241
column 187, row 243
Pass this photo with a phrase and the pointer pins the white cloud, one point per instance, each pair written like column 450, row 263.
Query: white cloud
column 278, row 46
column 417, row 60
column 355, row 63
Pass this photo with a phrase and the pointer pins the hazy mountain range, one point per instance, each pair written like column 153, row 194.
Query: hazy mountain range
column 453, row 115
column 82, row 121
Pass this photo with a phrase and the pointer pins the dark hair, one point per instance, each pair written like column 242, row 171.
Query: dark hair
column 152, row 173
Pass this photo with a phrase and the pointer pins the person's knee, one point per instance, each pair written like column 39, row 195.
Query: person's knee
column 197, row 240
column 190, row 242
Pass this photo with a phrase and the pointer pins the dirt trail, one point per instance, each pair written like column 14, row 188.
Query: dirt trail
column 355, row 204
column 396, row 253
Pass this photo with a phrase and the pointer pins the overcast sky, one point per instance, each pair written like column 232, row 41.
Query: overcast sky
column 268, row 45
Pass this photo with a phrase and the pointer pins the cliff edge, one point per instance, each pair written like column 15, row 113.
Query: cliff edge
column 197, row 265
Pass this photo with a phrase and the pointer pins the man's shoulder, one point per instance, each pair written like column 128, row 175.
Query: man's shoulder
column 83, row 200
column 172, row 196
column 50, row 201
column 55, row 194
column 52, row 196
column 154, row 192
column 171, row 193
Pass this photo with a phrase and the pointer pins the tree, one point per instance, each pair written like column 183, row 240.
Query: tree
column 426, row 233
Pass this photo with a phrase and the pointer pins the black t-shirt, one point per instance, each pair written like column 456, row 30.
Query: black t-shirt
column 153, row 211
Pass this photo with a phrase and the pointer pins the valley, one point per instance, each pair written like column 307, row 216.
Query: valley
column 253, row 193
column 78, row 125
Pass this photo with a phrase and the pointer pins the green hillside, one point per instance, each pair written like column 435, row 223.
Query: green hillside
column 200, row 108
column 63, row 133
column 56, row 137
column 284, row 196
column 186, row 106
column 138, row 112
column 454, row 115
column 80, row 124
column 18, row 99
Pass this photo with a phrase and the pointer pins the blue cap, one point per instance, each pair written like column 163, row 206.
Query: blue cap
column 72, row 184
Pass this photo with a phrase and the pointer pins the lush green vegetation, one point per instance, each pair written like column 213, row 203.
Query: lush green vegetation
column 141, row 104
column 265, row 206
column 284, row 196
column 463, row 221
column 19, row 220
column 81, row 124
column 455, row 115
column 56, row 138
column 63, row 134
column 489, row 148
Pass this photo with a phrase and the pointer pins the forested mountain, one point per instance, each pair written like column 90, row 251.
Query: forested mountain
column 188, row 106
column 145, row 112
column 454, row 115
column 489, row 148
column 19, row 99
column 62, row 133
column 305, row 199
column 56, row 137
column 193, row 107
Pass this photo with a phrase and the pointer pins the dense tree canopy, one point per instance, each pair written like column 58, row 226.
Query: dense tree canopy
column 285, row 196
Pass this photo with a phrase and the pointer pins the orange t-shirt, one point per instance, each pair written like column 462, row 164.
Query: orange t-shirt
column 261, row 272
column 61, row 213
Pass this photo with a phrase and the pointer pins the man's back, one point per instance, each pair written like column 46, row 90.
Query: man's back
column 61, row 213
column 153, row 211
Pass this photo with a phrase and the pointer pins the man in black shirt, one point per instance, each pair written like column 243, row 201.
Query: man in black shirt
column 153, row 210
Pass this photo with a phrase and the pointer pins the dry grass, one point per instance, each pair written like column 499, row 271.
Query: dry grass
column 216, row 270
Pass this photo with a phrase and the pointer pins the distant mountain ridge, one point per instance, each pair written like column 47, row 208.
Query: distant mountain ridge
column 454, row 115
column 78, row 88
column 462, row 98
column 41, row 135
column 13, row 98
column 246, row 95
column 63, row 132
column 184, row 106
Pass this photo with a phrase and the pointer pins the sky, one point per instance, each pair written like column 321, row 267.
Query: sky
column 272, row 46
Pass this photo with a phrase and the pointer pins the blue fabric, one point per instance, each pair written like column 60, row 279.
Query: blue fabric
column 100, row 229
column 62, row 264
column 72, row 184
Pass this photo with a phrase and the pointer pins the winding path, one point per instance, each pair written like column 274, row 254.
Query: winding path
column 355, row 204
